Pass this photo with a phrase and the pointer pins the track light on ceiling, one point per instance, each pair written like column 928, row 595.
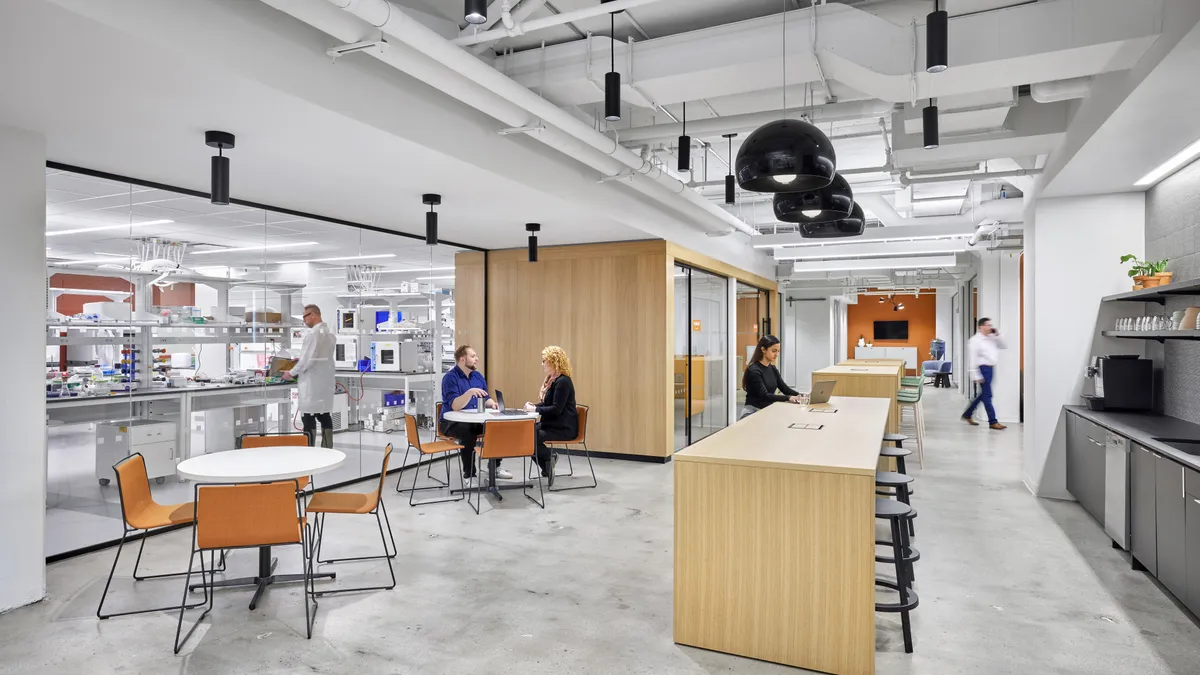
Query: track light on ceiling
column 851, row 226
column 729, row 179
column 612, row 79
column 832, row 202
column 685, row 145
column 431, row 218
column 937, row 33
column 222, row 141
column 475, row 11
column 533, row 229
column 929, row 120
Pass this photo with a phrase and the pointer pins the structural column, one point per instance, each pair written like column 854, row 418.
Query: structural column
column 23, row 274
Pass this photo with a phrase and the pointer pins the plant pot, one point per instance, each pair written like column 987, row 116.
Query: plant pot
column 1139, row 282
column 1151, row 282
column 1165, row 277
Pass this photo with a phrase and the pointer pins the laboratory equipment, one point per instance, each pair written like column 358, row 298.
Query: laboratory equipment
column 347, row 320
column 345, row 354
column 386, row 356
column 154, row 439
column 410, row 357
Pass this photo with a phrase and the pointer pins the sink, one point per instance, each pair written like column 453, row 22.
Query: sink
column 1184, row 445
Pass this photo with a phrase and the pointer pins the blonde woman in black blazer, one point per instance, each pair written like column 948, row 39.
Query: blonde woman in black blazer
column 556, row 405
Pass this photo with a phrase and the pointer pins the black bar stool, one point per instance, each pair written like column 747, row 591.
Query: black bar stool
column 897, row 453
column 899, row 483
column 903, row 556
column 897, row 439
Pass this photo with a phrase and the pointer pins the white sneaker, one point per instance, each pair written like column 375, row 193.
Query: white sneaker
column 470, row 482
column 503, row 473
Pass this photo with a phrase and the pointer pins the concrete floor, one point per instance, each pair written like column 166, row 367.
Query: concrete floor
column 1009, row 585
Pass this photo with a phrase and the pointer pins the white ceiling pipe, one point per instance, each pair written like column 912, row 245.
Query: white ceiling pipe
column 1060, row 90
column 523, row 27
column 518, row 15
column 880, row 208
column 715, row 126
column 395, row 22
column 985, row 176
column 985, row 228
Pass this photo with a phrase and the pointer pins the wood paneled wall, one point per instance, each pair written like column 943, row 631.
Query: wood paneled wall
column 469, row 285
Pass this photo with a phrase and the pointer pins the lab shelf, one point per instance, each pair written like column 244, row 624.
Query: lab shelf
column 1157, row 294
column 1159, row 335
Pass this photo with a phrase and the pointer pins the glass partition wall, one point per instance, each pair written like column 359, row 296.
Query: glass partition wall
column 701, row 380
column 753, row 322
column 168, row 318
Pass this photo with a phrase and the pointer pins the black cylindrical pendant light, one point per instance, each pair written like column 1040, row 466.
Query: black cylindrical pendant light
column 685, row 145
column 832, row 202
column 929, row 118
column 475, row 11
column 431, row 218
column 937, row 33
column 786, row 156
column 533, row 229
column 729, row 180
column 222, row 141
column 612, row 79
column 850, row 226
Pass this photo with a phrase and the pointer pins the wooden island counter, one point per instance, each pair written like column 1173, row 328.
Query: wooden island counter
column 774, row 536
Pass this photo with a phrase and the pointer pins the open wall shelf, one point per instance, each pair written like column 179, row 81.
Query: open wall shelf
column 1157, row 294
column 1159, row 335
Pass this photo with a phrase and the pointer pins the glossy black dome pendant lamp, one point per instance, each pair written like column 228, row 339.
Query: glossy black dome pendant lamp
column 937, row 33
column 612, row 79
column 850, row 226
column 685, row 145
column 786, row 155
column 475, row 11
column 533, row 229
column 431, row 218
column 832, row 202
column 222, row 141
column 729, row 180
column 929, row 124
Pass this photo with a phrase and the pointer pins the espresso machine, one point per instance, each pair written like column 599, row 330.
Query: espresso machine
column 1121, row 382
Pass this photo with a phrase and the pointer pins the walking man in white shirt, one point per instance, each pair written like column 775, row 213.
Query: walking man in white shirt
column 983, row 351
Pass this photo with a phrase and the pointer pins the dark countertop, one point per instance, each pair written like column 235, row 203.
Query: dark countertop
column 1143, row 428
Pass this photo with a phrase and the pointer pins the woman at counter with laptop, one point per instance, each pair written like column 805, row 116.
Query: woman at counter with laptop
column 762, row 379
column 556, row 406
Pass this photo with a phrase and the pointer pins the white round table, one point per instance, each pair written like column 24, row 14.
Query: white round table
column 256, row 465
column 489, row 415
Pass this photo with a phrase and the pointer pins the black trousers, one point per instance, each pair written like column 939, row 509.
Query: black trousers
column 467, row 435
column 543, row 452
column 309, row 422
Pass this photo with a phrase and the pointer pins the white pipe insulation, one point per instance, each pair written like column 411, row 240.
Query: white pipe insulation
column 523, row 27
column 987, row 217
column 1060, row 90
column 475, row 74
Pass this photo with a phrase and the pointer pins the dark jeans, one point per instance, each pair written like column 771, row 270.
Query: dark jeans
column 309, row 422
column 466, row 435
column 543, row 453
column 984, row 397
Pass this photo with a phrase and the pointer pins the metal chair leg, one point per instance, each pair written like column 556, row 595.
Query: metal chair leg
column 403, row 463
column 412, row 492
column 209, row 592
column 525, row 490
column 112, row 571
column 587, row 453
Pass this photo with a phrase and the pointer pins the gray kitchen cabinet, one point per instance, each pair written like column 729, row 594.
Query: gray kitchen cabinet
column 1085, row 464
column 1192, row 511
column 1075, row 434
column 1170, row 512
column 1142, row 506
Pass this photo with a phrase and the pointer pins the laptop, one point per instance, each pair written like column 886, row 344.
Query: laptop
column 821, row 391
column 507, row 411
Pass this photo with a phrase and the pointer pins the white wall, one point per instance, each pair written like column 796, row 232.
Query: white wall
column 22, row 266
column 1000, row 300
column 944, row 319
column 1073, row 246
column 815, row 340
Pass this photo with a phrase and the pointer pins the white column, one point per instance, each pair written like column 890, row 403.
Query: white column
column 23, row 266
column 1072, row 261
column 1000, row 300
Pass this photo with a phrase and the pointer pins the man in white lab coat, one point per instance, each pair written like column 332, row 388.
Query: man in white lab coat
column 316, row 375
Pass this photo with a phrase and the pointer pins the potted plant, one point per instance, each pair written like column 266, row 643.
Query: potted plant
column 1147, row 273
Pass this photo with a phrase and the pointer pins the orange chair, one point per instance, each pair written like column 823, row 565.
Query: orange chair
column 580, row 439
column 139, row 511
column 324, row 503
column 508, row 438
column 247, row 515
column 275, row 441
column 428, row 450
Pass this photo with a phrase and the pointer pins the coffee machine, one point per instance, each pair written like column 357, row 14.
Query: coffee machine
column 1121, row 382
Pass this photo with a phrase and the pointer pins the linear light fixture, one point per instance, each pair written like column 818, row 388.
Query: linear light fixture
column 345, row 257
column 261, row 247
column 875, row 264
column 83, row 261
column 1171, row 165
column 876, row 248
column 99, row 228
column 448, row 276
column 916, row 231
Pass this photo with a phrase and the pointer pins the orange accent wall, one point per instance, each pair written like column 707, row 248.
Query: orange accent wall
column 919, row 312
column 179, row 295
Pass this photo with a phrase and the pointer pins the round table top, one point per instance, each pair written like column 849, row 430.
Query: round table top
column 474, row 417
column 251, row 465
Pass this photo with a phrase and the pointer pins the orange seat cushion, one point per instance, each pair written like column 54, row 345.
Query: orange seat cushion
column 161, row 515
column 439, row 446
column 342, row 502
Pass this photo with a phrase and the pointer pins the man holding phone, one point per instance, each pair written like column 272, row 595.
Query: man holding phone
column 983, row 350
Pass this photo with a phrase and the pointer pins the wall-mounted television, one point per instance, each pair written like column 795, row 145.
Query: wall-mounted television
column 891, row 330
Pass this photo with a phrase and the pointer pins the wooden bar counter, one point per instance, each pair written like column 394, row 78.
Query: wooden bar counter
column 774, row 537
column 880, row 380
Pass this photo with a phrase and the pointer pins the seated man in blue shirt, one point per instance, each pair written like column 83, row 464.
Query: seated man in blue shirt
column 462, row 389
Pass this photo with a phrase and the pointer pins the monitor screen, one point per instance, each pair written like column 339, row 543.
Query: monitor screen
column 891, row 330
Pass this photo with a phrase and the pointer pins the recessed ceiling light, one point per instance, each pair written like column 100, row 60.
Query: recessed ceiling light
column 1171, row 165
column 345, row 257
column 122, row 226
column 262, row 247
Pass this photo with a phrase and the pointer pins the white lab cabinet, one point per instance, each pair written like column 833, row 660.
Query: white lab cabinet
column 154, row 439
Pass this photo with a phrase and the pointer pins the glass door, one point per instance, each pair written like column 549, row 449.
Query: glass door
column 701, row 386
column 753, row 318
